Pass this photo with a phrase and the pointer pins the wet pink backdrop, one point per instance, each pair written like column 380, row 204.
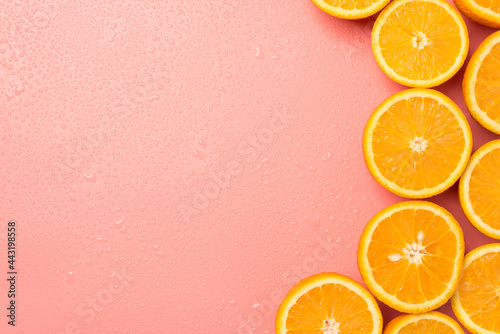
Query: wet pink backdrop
column 176, row 166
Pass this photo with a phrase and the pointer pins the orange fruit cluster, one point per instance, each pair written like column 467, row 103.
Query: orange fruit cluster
column 416, row 144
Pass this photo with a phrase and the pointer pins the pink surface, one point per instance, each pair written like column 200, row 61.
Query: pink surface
column 116, row 116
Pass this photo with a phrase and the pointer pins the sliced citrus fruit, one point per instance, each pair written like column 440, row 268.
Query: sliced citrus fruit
column 410, row 256
column 427, row 323
column 479, row 189
column 357, row 9
column 420, row 43
column 328, row 303
column 485, row 12
column 481, row 85
column 417, row 143
column 476, row 302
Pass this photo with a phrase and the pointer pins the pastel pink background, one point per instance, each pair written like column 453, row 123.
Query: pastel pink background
column 114, row 114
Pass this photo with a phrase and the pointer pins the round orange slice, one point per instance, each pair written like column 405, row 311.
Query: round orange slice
column 481, row 85
column 479, row 189
column 357, row 9
column 485, row 12
column 420, row 43
column 410, row 256
column 426, row 323
column 417, row 143
column 476, row 302
column 328, row 303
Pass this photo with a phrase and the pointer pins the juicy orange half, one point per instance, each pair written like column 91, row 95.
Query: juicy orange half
column 356, row 9
column 420, row 43
column 410, row 256
column 426, row 323
column 481, row 85
column 476, row 302
column 479, row 190
column 328, row 303
column 417, row 143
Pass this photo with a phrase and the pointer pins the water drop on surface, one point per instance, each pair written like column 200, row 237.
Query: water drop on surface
column 90, row 177
column 259, row 54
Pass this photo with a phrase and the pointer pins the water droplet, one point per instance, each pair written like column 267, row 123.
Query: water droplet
column 90, row 177
column 259, row 54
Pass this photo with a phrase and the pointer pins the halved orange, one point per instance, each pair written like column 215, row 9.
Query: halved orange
column 356, row 9
column 328, row 303
column 476, row 302
column 427, row 323
column 481, row 85
column 420, row 43
column 479, row 189
column 417, row 143
column 485, row 12
column 410, row 256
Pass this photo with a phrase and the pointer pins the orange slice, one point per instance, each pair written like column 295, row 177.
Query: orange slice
column 328, row 303
column 410, row 256
column 476, row 302
column 417, row 143
column 481, row 85
column 479, row 189
column 351, row 9
column 485, row 12
column 426, row 323
column 420, row 43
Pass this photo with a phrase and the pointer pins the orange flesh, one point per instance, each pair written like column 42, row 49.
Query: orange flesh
column 330, row 302
column 487, row 89
column 426, row 326
column 484, row 189
column 480, row 291
column 420, row 40
column 406, row 121
column 412, row 282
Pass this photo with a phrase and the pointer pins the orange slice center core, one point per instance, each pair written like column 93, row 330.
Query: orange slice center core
column 420, row 41
column 413, row 253
column 331, row 327
column 419, row 144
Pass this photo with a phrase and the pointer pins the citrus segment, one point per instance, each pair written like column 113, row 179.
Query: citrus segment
column 417, row 143
column 479, row 190
column 426, row 323
column 328, row 303
column 420, row 43
column 481, row 85
column 476, row 302
column 410, row 256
